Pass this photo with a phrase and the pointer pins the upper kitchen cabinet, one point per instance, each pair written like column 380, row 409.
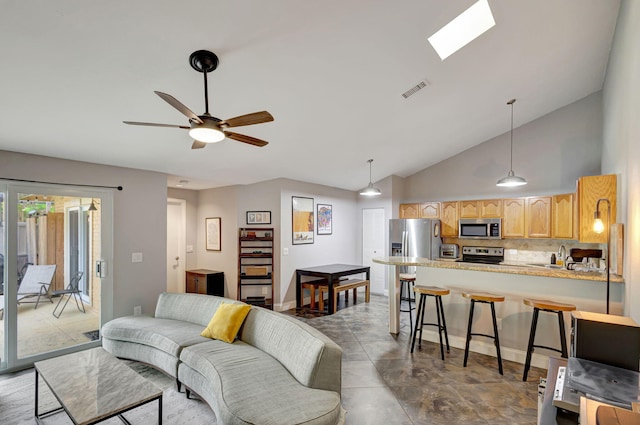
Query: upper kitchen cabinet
column 538, row 217
column 562, row 216
column 430, row 210
column 491, row 208
column 423, row 210
column 590, row 189
column 469, row 209
column 513, row 224
column 409, row 210
column 486, row 208
column 449, row 219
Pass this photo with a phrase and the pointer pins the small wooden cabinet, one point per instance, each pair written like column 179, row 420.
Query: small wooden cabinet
column 562, row 216
column 255, row 266
column 538, row 217
column 409, row 210
column 513, row 223
column 469, row 209
column 202, row 281
column 430, row 210
column 590, row 189
column 449, row 219
column 485, row 208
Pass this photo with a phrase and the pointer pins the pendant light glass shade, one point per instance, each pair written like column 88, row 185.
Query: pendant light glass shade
column 511, row 180
column 370, row 190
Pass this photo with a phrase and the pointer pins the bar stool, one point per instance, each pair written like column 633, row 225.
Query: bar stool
column 549, row 307
column 485, row 298
column 437, row 293
column 407, row 279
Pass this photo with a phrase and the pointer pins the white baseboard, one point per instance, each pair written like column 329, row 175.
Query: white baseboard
column 488, row 348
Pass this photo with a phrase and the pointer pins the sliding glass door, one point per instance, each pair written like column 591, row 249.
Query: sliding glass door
column 51, row 298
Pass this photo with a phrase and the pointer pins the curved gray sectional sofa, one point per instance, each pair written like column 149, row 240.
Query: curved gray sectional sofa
column 278, row 371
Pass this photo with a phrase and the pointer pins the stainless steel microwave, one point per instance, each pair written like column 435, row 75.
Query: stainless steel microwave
column 480, row 228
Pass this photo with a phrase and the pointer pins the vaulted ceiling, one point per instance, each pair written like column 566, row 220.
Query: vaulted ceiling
column 332, row 73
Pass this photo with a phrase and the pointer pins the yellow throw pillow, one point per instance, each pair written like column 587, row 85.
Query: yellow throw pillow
column 226, row 322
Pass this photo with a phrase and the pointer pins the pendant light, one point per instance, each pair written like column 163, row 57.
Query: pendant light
column 370, row 190
column 511, row 180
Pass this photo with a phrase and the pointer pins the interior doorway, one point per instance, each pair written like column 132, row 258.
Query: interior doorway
column 176, row 241
column 373, row 245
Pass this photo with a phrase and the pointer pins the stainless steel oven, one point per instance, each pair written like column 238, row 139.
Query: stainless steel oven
column 480, row 228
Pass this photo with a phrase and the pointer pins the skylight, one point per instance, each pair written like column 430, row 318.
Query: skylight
column 465, row 28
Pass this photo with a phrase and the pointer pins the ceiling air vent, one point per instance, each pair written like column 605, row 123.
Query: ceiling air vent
column 414, row 89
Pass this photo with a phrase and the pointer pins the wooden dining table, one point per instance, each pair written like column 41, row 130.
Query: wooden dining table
column 332, row 273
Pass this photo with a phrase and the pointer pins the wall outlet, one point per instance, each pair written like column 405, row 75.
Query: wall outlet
column 136, row 257
column 285, row 251
column 265, row 290
column 137, row 310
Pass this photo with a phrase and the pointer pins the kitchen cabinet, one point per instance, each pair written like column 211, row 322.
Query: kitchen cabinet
column 409, row 210
column 255, row 266
column 449, row 219
column 430, row 210
column 469, row 209
column 590, row 189
column 538, row 217
column 513, row 218
column 562, row 216
column 202, row 281
column 486, row 208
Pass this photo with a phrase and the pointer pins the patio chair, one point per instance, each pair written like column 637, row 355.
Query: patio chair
column 36, row 283
column 73, row 290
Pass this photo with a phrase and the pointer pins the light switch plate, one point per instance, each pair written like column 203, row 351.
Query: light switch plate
column 136, row 257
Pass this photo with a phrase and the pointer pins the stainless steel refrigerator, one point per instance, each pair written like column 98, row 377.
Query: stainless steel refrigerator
column 415, row 237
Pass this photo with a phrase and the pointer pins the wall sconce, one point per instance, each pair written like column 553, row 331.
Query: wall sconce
column 599, row 227
column 92, row 207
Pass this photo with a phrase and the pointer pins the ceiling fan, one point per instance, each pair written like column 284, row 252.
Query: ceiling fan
column 206, row 128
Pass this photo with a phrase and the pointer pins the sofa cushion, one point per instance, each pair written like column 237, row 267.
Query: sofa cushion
column 194, row 308
column 226, row 322
column 164, row 334
column 275, row 398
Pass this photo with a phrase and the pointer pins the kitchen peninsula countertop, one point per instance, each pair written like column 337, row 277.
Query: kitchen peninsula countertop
column 520, row 269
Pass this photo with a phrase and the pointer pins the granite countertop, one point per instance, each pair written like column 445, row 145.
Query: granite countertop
column 521, row 269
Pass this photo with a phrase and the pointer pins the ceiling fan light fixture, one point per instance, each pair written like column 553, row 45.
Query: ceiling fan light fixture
column 206, row 132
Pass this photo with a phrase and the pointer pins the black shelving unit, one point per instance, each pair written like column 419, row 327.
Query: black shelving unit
column 255, row 266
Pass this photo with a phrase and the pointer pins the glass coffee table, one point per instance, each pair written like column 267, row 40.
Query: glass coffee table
column 92, row 386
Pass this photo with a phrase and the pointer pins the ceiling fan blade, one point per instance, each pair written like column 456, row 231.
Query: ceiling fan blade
column 198, row 145
column 249, row 119
column 151, row 124
column 179, row 106
column 246, row 139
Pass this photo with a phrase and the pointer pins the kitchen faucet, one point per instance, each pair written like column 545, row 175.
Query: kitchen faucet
column 562, row 255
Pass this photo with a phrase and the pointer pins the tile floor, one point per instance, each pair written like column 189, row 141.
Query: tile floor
column 383, row 383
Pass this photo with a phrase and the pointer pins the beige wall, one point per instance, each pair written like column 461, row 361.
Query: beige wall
column 139, row 223
column 550, row 152
column 621, row 147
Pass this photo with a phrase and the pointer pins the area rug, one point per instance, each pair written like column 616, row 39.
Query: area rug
column 92, row 335
column 17, row 403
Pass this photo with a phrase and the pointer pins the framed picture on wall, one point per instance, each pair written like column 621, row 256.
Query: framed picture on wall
column 258, row 217
column 324, row 219
column 302, row 220
column 212, row 233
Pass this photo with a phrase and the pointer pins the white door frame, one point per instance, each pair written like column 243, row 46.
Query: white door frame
column 181, row 228
column 380, row 270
